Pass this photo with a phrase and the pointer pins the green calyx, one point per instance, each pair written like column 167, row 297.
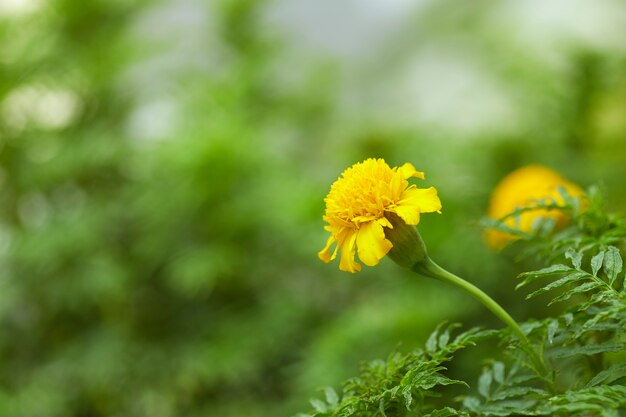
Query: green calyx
column 408, row 247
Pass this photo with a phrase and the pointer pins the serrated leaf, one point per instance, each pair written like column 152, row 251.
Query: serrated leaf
column 550, row 270
column 331, row 396
column 558, row 283
column 589, row 286
column 408, row 398
column 529, row 326
column 319, row 405
column 612, row 263
column 498, row 372
column 440, row 380
column 613, row 373
column 484, row 383
column 425, row 376
column 596, row 263
column 568, row 318
column 444, row 338
column 507, row 408
column 471, row 403
column 552, row 328
column 381, row 407
column 574, row 407
column 545, row 272
column 431, row 343
column 445, row 412
column 593, row 322
column 515, row 392
column 595, row 299
column 574, row 256
column 471, row 336
column 520, row 379
column 596, row 398
column 588, row 349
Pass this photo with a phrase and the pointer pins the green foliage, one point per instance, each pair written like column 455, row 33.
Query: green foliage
column 583, row 348
column 402, row 384
column 162, row 171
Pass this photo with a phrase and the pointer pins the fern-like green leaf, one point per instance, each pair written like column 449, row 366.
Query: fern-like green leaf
column 612, row 263
column 594, row 399
column 446, row 412
column 596, row 263
column 586, row 287
column 558, row 283
column 545, row 272
column 575, row 256
column 484, row 383
column 514, row 392
column 613, row 373
column 569, row 351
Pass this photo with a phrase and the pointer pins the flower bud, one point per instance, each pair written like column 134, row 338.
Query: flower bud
column 527, row 189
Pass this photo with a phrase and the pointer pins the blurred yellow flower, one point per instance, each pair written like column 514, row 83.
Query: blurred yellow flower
column 357, row 205
column 525, row 188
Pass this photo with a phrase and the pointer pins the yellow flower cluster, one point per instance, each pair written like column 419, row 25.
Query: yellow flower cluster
column 358, row 206
column 525, row 188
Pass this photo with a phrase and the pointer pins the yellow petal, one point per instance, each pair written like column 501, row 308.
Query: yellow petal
column 324, row 254
column 399, row 179
column 384, row 222
column 425, row 200
column 408, row 170
column 348, row 249
column 397, row 185
column 371, row 243
column 409, row 214
column 415, row 201
column 524, row 188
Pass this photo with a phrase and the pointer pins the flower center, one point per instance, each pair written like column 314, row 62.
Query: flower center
column 362, row 194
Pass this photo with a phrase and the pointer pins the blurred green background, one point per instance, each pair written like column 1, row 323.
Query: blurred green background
column 163, row 166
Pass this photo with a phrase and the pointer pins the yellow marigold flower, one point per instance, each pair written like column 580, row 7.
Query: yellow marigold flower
column 525, row 188
column 358, row 204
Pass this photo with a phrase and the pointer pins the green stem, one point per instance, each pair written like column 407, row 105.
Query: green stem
column 430, row 269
